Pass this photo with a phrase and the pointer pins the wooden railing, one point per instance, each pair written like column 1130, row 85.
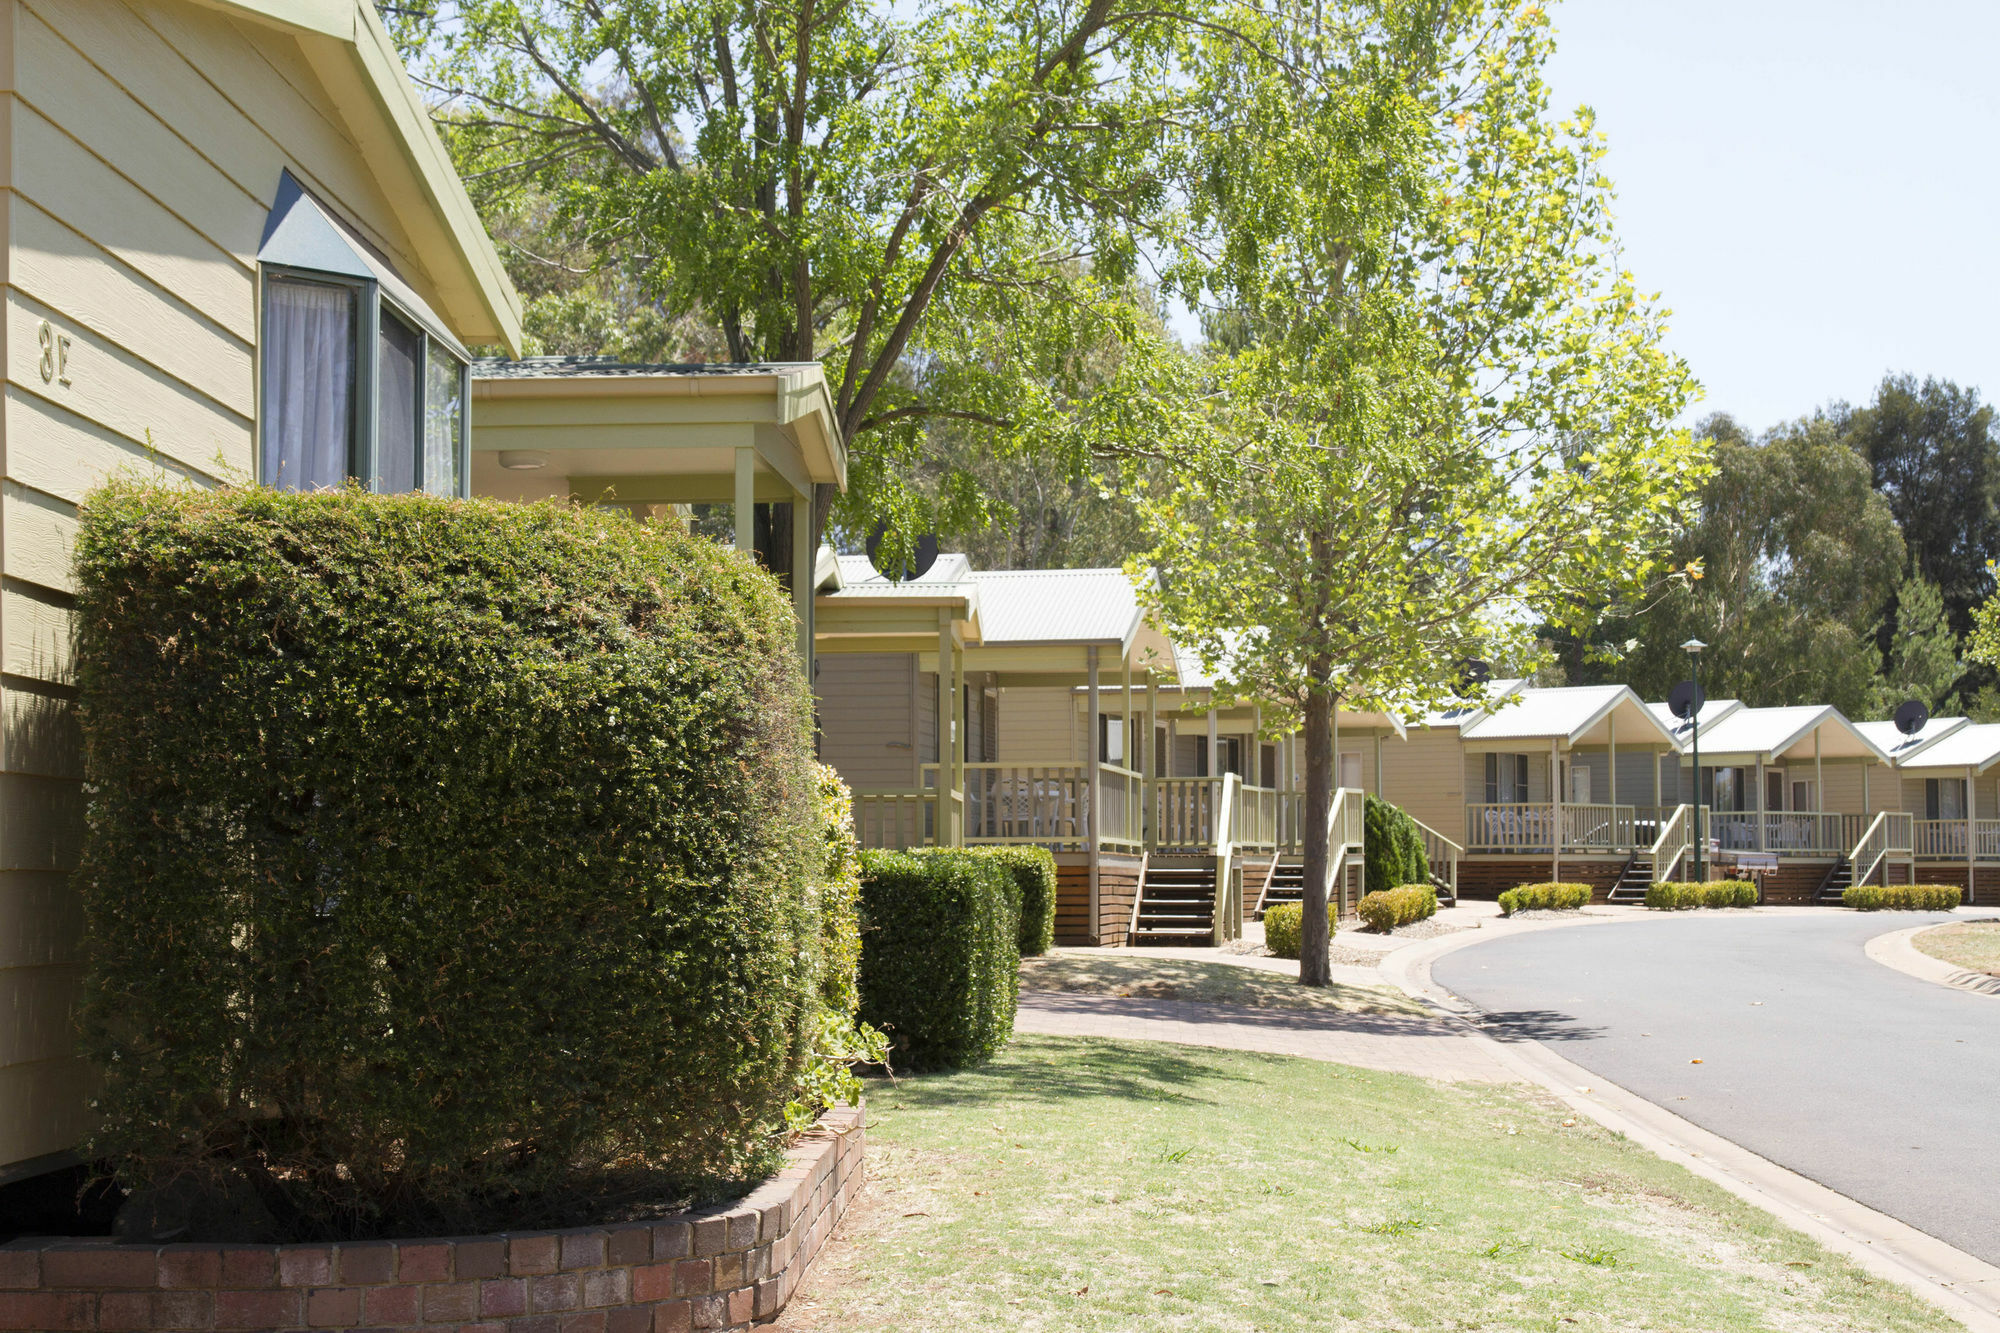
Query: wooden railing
column 1891, row 833
column 1441, row 851
column 1046, row 804
column 1184, row 813
column 1798, row 832
column 1946, row 838
column 1346, row 835
column 1228, row 810
column 1259, row 812
column 1121, row 796
column 1531, row 826
column 893, row 817
column 1675, row 840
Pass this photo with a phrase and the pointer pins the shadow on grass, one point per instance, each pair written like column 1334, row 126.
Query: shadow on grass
column 1228, row 1015
column 1537, row 1025
column 1056, row 1071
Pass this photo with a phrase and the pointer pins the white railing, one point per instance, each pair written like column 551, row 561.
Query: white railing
column 1531, row 826
column 893, row 818
column 1946, row 838
column 1259, row 812
column 1346, row 837
column 1121, row 796
column 1441, row 851
column 1891, row 833
column 1184, row 812
column 1228, row 810
column 1674, row 841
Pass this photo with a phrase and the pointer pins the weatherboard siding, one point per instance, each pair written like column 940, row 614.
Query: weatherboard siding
column 867, row 717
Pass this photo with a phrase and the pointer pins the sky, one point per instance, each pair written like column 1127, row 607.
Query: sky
column 1810, row 186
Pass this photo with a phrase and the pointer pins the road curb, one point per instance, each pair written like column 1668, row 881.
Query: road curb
column 1965, row 1287
column 1897, row 949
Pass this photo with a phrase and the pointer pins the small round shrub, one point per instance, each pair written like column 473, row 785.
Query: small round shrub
column 1398, row 906
column 1544, row 898
column 1284, row 922
column 1903, row 897
column 445, row 862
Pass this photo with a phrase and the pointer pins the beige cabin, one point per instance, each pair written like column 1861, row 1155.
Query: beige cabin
column 236, row 250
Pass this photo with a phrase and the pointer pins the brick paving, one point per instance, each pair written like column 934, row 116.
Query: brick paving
column 1398, row 1043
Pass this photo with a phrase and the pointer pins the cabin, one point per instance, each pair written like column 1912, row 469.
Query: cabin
column 1948, row 787
column 1070, row 723
column 236, row 250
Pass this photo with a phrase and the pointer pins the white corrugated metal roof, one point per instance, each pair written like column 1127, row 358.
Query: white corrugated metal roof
column 1712, row 712
column 1884, row 736
column 1021, row 606
column 1559, row 713
column 951, row 575
column 1973, row 745
column 1771, row 731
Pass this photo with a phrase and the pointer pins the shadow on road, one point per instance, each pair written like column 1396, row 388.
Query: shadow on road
column 1537, row 1025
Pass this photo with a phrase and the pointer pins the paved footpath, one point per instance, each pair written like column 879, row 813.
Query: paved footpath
column 1780, row 1034
column 1398, row 1043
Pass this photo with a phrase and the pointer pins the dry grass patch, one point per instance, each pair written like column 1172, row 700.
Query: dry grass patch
column 1103, row 1187
column 1140, row 977
column 1972, row 945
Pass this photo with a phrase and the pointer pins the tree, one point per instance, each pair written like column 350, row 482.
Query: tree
column 1922, row 661
column 926, row 198
column 1447, row 410
column 1797, row 557
column 1933, row 456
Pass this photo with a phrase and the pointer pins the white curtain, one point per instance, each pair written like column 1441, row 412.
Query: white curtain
column 308, row 383
column 444, row 420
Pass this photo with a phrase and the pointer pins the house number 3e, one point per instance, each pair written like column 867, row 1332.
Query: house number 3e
column 55, row 355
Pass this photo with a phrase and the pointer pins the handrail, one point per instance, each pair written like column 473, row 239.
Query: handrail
column 1437, row 848
column 1878, row 833
column 1224, row 854
column 1675, row 826
column 1346, row 828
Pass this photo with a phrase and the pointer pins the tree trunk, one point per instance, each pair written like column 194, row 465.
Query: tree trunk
column 1315, row 968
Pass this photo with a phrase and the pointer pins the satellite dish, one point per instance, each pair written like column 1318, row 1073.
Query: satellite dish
column 1912, row 716
column 1475, row 672
column 1686, row 699
column 922, row 558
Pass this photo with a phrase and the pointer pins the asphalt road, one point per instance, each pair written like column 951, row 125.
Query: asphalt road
column 1873, row 1083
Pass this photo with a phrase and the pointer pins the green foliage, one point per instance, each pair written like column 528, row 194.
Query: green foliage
column 839, row 1041
column 1903, row 897
column 1544, row 898
column 1921, row 660
column 442, row 856
column 1283, row 923
column 946, row 206
column 940, row 954
column 1676, row 896
column 1392, row 847
column 1387, row 909
column 1034, row 874
column 1784, row 573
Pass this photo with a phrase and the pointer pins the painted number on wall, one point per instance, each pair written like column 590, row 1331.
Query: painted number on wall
column 55, row 355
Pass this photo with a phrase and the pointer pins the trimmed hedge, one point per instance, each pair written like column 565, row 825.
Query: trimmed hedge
column 1544, row 898
column 444, row 859
column 1034, row 873
column 1680, row 896
column 940, row 954
column 1903, row 897
column 1284, row 923
column 1392, row 849
column 1398, row 907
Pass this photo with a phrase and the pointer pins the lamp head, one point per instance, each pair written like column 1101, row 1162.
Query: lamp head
column 1693, row 646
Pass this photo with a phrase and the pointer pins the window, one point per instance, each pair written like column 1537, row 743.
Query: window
column 360, row 379
column 1944, row 798
column 1579, row 784
column 1724, row 788
column 1350, row 769
column 1506, row 779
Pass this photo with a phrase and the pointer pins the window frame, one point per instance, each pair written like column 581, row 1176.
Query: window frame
column 364, row 445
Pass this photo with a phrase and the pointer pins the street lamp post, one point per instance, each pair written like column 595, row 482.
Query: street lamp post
column 1693, row 648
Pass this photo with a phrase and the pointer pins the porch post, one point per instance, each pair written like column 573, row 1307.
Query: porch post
column 1378, row 767
column 1125, row 718
column 1760, row 803
column 1819, row 771
column 746, row 500
column 1255, row 762
column 1149, row 822
column 941, row 829
column 804, row 557
column 1214, row 747
column 1092, row 756
column 1556, row 812
column 1971, row 809
column 959, row 809
column 1612, row 723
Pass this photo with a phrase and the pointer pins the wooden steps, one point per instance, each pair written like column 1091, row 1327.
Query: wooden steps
column 1839, row 878
column 1633, row 880
column 1176, row 901
column 1287, row 884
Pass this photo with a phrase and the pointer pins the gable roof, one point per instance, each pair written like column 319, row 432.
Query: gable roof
column 1568, row 714
column 1059, row 606
column 1900, row 748
column 355, row 57
column 1712, row 712
column 1767, row 734
column 1973, row 745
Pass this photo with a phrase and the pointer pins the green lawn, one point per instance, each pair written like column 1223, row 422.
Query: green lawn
column 1099, row 1185
column 1972, row 945
column 1154, row 978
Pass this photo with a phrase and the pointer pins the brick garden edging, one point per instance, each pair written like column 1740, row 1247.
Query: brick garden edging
column 719, row 1268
